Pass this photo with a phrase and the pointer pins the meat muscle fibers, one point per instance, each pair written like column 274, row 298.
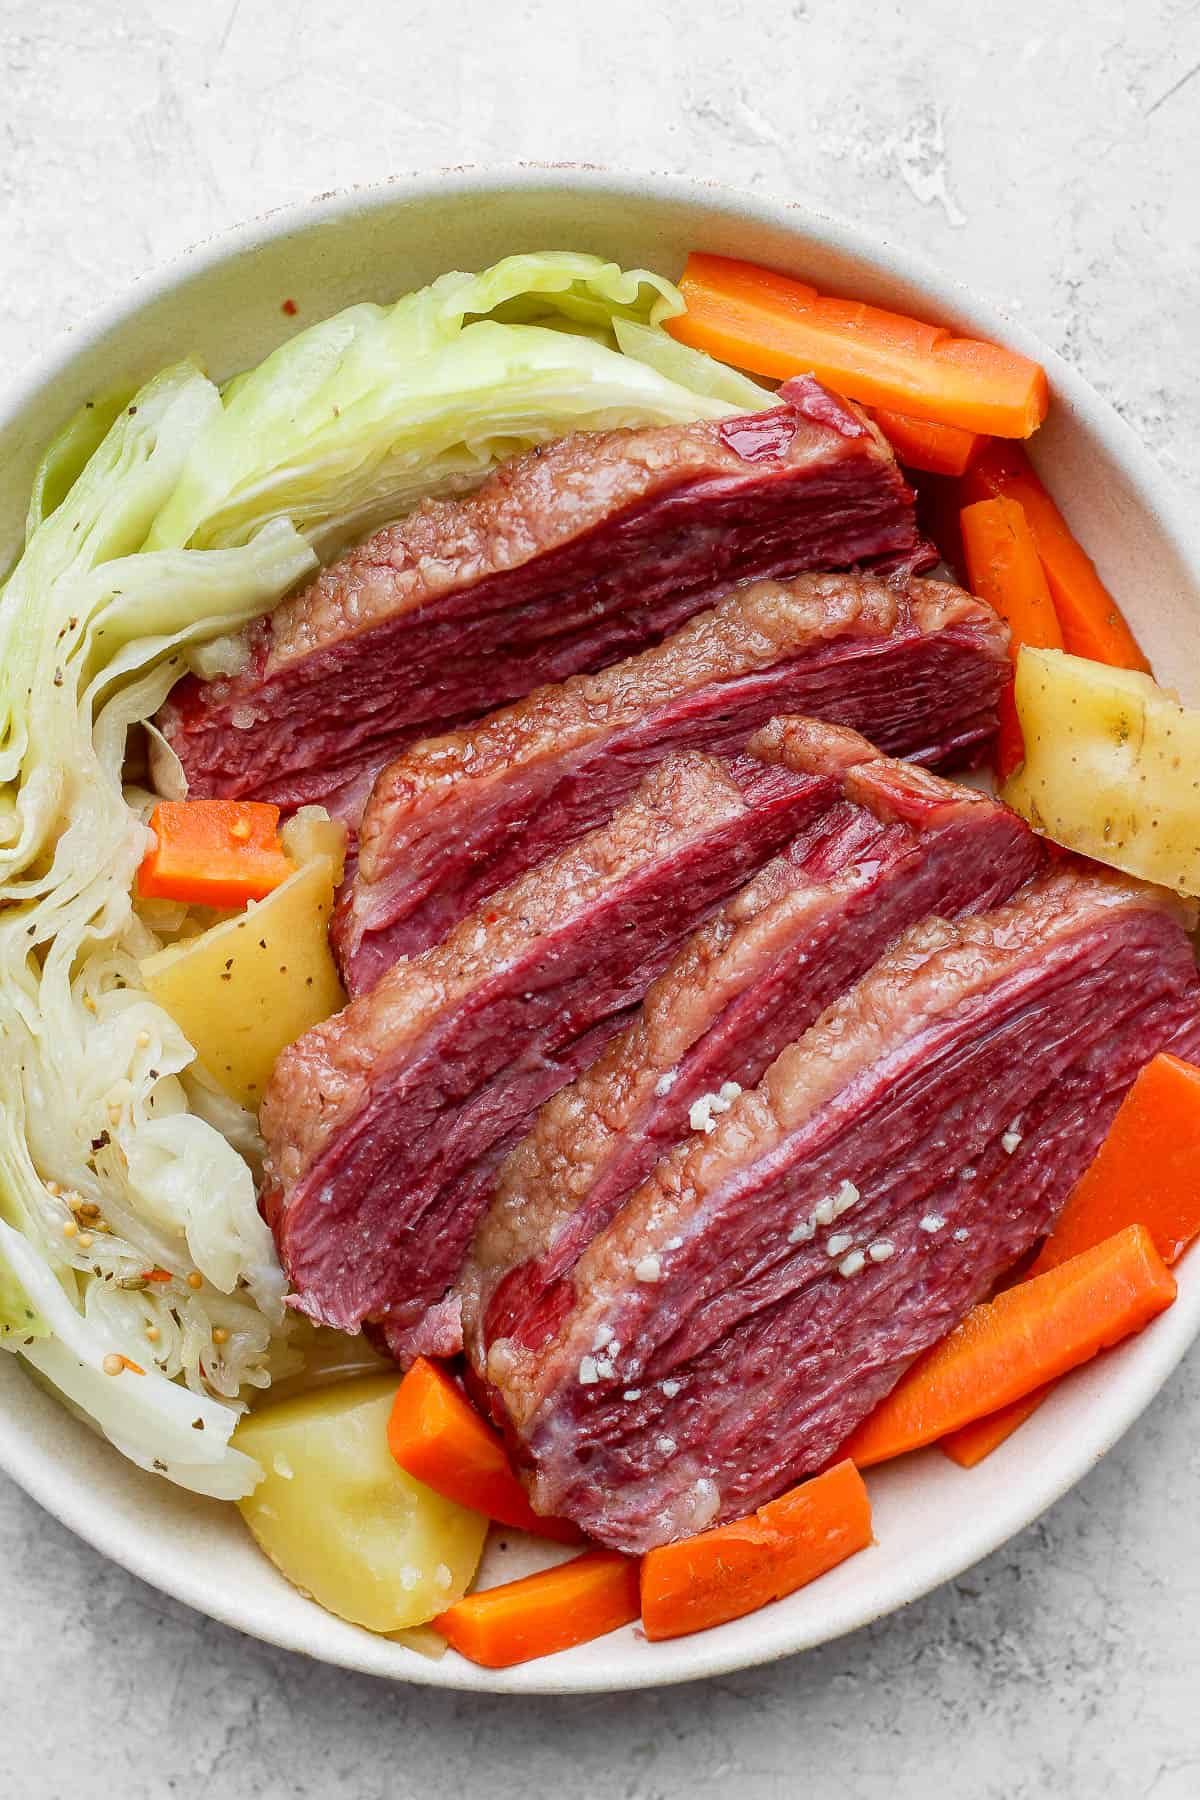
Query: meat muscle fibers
column 898, row 844
column 384, row 1125
column 566, row 558
column 770, row 1281
column 917, row 665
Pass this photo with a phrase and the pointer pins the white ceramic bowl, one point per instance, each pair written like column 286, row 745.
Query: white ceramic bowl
column 224, row 301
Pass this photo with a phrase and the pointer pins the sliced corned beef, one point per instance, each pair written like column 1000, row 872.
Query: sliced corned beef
column 899, row 845
column 567, row 558
column 769, row 1282
column 384, row 1125
column 917, row 665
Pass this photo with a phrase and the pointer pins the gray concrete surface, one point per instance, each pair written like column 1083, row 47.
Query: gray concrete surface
column 1047, row 153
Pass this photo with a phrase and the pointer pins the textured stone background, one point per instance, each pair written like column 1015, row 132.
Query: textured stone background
column 1047, row 153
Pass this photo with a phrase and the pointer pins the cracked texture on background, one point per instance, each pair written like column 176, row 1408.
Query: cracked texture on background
column 1045, row 153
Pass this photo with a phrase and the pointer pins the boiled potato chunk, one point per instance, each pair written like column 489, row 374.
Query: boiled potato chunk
column 310, row 833
column 344, row 1523
column 243, row 990
column 1112, row 767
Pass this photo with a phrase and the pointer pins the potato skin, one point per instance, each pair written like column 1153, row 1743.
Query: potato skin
column 244, row 989
column 342, row 1521
column 1112, row 767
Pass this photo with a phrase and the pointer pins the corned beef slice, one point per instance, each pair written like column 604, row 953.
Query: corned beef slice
column 385, row 1124
column 565, row 559
column 768, row 1284
column 899, row 845
column 918, row 665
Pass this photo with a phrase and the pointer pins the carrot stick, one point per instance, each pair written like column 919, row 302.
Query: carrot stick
column 1089, row 617
column 579, row 1600
column 1003, row 568
column 436, row 1435
column 1026, row 1336
column 214, row 853
column 733, row 1570
column 1147, row 1172
column 919, row 444
column 971, row 1443
column 772, row 325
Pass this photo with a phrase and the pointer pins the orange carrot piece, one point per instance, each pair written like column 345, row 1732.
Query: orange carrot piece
column 971, row 1443
column 920, row 444
column 733, row 1570
column 1003, row 568
column 1028, row 1335
column 1146, row 1172
column 214, row 852
column 1088, row 616
column 436, row 1435
column 579, row 1600
column 775, row 326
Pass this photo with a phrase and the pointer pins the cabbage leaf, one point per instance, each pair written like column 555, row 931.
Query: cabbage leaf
column 689, row 368
column 93, row 1107
column 354, row 420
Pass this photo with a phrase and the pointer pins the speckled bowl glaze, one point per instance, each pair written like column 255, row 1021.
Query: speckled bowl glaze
column 224, row 301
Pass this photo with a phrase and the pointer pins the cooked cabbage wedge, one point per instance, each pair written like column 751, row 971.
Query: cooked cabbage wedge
column 99, row 1107
column 1112, row 766
column 343, row 1522
column 357, row 418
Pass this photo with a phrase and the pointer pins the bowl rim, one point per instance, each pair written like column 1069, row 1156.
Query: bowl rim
column 38, row 1472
